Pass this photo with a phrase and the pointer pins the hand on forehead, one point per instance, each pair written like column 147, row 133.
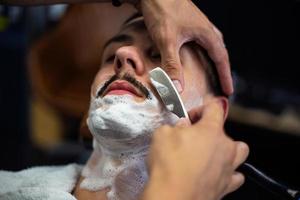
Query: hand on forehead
column 133, row 46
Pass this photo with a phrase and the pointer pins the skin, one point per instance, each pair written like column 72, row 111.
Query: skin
column 136, row 52
column 208, row 172
column 208, row 176
column 172, row 23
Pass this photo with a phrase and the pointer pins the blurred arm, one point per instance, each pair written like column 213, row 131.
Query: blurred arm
column 45, row 2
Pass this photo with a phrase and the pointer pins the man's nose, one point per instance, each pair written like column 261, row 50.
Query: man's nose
column 128, row 60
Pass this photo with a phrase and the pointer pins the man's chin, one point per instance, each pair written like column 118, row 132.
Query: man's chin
column 115, row 142
column 124, row 95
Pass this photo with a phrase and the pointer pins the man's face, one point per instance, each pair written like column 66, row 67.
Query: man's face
column 125, row 109
column 132, row 52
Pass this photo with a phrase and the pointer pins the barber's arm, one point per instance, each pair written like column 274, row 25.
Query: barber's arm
column 195, row 162
column 45, row 2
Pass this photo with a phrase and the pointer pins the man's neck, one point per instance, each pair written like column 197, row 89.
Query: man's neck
column 123, row 172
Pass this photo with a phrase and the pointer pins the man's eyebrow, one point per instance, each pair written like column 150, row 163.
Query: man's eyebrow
column 119, row 38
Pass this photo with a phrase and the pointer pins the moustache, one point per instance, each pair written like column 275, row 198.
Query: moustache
column 127, row 77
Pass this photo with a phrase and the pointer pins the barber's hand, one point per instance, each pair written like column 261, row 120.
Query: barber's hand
column 172, row 23
column 195, row 161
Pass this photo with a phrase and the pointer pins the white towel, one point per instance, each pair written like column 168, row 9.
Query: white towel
column 40, row 183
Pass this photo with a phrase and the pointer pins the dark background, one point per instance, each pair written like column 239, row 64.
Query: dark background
column 262, row 38
column 263, row 41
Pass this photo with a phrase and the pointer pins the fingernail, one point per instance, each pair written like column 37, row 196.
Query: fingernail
column 242, row 146
column 177, row 85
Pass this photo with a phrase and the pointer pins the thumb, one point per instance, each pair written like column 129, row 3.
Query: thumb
column 213, row 114
column 171, row 63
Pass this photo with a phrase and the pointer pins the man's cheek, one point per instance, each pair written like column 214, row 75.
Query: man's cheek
column 191, row 99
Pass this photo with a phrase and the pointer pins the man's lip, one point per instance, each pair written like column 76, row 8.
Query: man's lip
column 120, row 88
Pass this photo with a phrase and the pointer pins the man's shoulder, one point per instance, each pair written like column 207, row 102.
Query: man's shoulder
column 47, row 182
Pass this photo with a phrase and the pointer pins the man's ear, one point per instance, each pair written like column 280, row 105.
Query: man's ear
column 225, row 105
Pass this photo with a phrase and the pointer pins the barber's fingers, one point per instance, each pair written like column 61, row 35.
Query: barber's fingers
column 172, row 65
column 212, row 40
column 169, row 49
column 212, row 115
column 242, row 152
column 237, row 179
column 218, row 32
column 223, row 69
column 235, row 182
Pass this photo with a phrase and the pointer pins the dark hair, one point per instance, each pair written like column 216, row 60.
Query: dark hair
column 209, row 67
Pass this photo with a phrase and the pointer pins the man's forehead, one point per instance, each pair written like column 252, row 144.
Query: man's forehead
column 132, row 18
column 134, row 24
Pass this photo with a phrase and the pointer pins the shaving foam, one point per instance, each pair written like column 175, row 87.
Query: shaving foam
column 122, row 130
